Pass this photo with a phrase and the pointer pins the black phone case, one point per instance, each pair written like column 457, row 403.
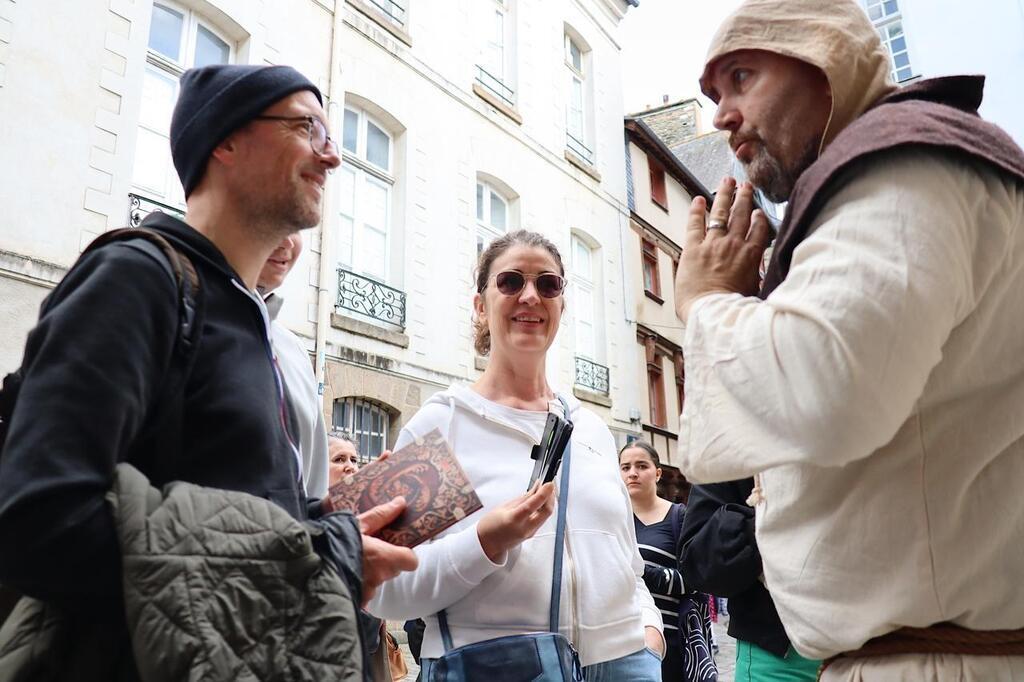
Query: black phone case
column 548, row 454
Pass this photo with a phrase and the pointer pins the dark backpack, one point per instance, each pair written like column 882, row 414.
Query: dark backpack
column 163, row 419
column 190, row 309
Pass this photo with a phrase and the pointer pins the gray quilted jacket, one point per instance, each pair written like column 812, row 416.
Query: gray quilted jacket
column 218, row 585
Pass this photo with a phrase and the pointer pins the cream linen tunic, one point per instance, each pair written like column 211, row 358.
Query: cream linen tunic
column 879, row 393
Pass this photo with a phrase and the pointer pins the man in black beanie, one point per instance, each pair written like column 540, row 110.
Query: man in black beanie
column 252, row 150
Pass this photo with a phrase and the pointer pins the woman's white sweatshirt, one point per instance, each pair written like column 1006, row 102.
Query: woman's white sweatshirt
column 605, row 604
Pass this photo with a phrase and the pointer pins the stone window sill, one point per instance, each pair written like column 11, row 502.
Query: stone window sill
column 587, row 168
column 487, row 96
column 382, row 20
column 354, row 326
column 591, row 396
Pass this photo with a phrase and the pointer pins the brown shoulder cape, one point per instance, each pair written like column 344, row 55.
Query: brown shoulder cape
column 940, row 113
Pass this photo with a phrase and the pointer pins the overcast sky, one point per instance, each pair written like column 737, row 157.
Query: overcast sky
column 663, row 47
column 664, row 43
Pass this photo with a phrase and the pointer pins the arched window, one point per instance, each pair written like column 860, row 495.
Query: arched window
column 495, row 204
column 367, row 421
column 179, row 39
column 367, row 180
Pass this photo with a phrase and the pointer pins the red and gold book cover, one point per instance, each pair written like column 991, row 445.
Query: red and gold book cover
column 436, row 489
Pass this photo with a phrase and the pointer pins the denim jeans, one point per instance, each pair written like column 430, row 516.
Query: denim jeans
column 643, row 666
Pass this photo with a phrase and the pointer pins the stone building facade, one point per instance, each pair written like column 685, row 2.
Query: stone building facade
column 659, row 200
column 459, row 121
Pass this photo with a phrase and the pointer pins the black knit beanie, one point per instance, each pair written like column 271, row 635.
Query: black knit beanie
column 217, row 100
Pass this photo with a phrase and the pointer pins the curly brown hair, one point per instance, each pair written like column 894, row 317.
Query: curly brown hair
column 482, row 273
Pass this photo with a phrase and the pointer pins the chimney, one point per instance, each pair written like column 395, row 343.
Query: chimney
column 664, row 99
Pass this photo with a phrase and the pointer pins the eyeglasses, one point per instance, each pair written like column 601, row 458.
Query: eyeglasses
column 319, row 140
column 511, row 282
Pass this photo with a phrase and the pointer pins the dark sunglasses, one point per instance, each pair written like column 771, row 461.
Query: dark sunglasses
column 511, row 282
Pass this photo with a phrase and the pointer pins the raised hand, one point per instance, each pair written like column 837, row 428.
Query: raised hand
column 723, row 255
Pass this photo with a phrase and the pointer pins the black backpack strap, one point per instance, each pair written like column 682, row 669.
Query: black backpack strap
column 183, row 272
column 676, row 512
column 160, row 437
column 161, row 433
column 8, row 394
column 190, row 310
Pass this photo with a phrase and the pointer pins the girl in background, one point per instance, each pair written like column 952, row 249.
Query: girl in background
column 658, row 522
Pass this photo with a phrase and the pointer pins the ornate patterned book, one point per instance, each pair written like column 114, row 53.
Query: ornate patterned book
column 436, row 489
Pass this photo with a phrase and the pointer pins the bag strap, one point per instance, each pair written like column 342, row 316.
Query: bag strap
column 182, row 271
column 563, row 506
column 676, row 512
column 160, row 437
column 190, row 310
column 167, row 410
column 556, row 582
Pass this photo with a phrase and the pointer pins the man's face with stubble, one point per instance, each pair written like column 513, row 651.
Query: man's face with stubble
column 775, row 109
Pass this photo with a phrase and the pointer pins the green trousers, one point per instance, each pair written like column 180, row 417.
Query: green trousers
column 754, row 664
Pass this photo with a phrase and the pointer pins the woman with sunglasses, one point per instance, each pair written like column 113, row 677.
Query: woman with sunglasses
column 491, row 573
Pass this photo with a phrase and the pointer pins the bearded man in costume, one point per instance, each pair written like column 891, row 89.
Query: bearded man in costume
column 874, row 384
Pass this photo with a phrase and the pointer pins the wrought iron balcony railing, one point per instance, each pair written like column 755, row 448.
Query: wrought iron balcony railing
column 579, row 149
column 371, row 298
column 140, row 207
column 395, row 11
column 494, row 85
column 591, row 375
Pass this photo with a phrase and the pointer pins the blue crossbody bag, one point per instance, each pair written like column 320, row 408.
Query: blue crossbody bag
column 536, row 657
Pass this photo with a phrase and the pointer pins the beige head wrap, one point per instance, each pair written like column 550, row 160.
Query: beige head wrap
column 833, row 35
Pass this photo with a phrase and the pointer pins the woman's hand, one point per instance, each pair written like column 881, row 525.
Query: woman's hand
column 654, row 640
column 506, row 526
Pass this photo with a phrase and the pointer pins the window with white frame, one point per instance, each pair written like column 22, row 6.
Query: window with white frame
column 392, row 9
column 495, row 67
column 366, row 182
column 896, row 42
column 583, row 299
column 576, row 57
column 179, row 39
column 368, row 423
column 492, row 215
column 879, row 10
column 885, row 15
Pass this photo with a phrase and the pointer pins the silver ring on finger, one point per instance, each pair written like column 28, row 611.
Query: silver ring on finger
column 717, row 225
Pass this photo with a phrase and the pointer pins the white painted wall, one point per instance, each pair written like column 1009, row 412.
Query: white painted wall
column 70, row 116
column 70, row 92
column 449, row 135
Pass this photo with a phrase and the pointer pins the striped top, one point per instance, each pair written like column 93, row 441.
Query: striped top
column 657, row 547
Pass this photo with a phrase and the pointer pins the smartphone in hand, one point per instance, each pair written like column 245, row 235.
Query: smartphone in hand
column 548, row 454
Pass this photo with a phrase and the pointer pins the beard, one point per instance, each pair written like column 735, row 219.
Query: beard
column 770, row 174
column 282, row 210
column 767, row 172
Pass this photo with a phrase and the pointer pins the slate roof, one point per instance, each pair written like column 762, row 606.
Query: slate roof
column 708, row 157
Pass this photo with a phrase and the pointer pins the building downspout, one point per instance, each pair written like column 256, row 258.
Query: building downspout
column 326, row 277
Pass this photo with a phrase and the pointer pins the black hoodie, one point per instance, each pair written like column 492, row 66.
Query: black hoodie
column 719, row 556
column 93, row 368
